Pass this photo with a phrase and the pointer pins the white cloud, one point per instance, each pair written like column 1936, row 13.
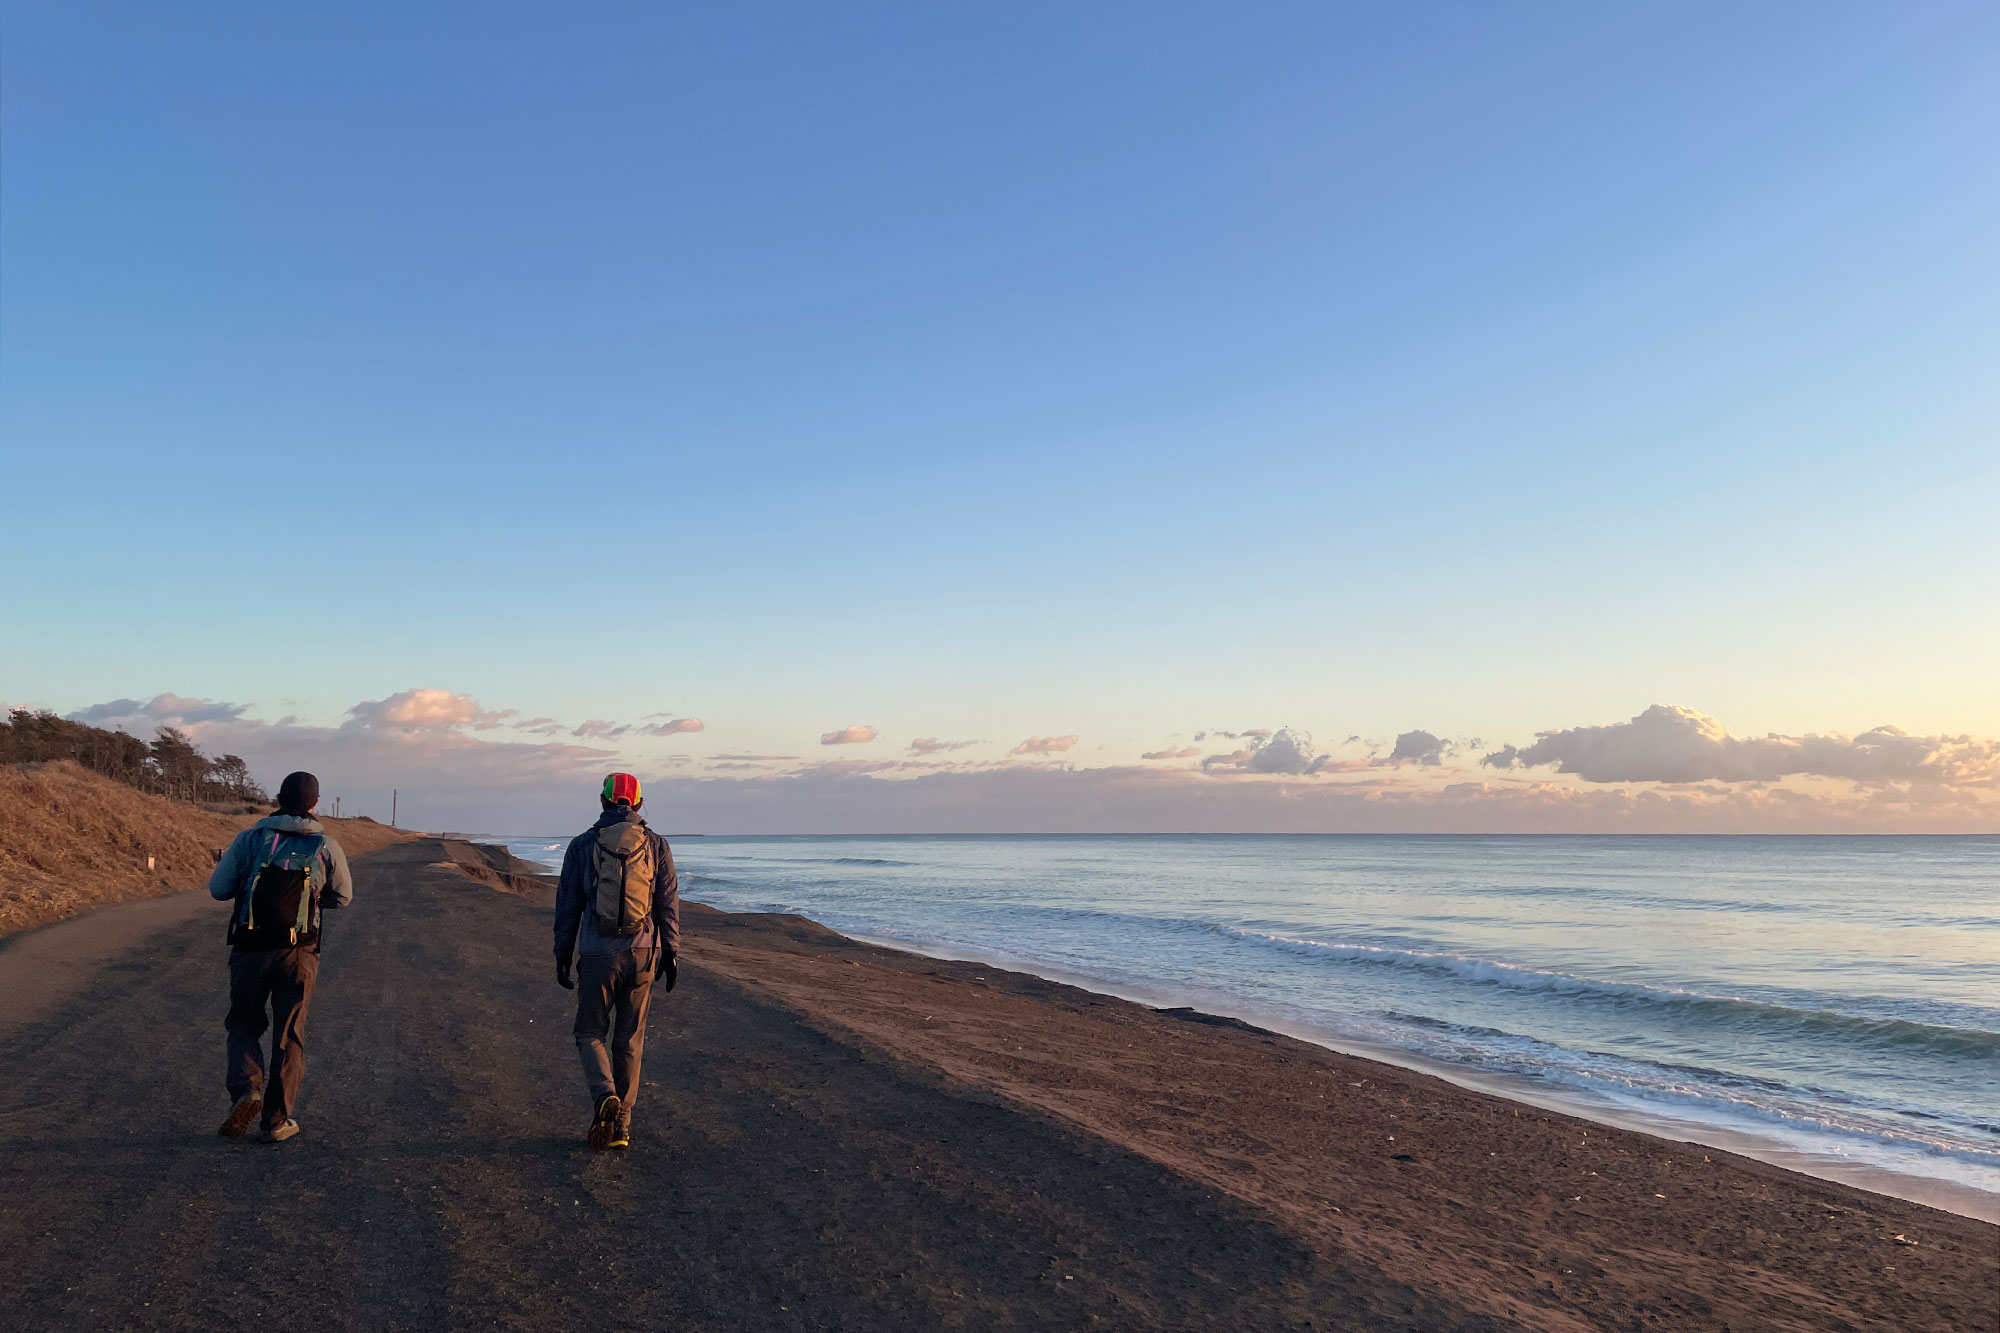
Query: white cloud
column 853, row 767
column 932, row 745
column 599, row 729
column 1679, row 745
column 1044, row 745
column 1418, row 747
column 1248, row 734
column 857, row 734
column 1286, row 751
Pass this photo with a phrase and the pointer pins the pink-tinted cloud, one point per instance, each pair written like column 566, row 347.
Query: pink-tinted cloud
column 1044, row 745
column 675, row 727
column 425, row 710
column 857, row 734
column 1185, row 752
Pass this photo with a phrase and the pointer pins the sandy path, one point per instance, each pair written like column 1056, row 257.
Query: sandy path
column 806, row 1158
column 42, row 970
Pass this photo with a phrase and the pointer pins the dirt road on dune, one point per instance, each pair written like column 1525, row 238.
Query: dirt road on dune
column 779, row 1180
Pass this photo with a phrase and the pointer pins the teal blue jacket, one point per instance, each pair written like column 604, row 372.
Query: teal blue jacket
column 232, row 873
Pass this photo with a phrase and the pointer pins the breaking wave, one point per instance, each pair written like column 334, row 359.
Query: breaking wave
column 1960, row 1042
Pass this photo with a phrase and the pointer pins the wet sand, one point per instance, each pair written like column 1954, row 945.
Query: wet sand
column 834, row 1135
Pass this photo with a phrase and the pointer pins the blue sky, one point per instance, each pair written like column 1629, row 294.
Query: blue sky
column 1003, row 372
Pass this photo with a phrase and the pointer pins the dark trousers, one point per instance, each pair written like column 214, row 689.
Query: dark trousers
column 612, row 992
column 283, row 980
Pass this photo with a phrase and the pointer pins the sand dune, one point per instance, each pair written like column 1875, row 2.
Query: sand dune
column 72, row 841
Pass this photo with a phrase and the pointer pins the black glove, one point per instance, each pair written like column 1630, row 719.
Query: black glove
column 666, row 966
column 562, row 974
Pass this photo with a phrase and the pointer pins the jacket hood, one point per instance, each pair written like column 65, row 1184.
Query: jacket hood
column 290, row 823
column 610, row 817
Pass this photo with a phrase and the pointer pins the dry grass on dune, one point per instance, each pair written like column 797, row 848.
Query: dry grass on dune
column 72, row 840
column 358, row 836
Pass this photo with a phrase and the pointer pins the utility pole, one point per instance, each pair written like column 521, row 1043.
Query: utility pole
column 393, row 794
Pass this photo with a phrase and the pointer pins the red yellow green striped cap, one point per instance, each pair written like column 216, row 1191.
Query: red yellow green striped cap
column 622, row 789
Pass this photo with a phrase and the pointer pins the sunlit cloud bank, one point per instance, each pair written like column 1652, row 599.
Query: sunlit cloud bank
column 161, row 709
column 461, row 765
column 1151, row 800
column 1666, row 744
column 419, row 743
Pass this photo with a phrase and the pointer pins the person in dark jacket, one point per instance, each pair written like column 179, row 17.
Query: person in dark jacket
column 274, row 963
column 618, row 910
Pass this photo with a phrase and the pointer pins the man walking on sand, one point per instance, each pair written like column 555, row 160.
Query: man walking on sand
column 278, row 874
column 618, row 909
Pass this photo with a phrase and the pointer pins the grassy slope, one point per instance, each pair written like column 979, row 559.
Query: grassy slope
column 71, row 841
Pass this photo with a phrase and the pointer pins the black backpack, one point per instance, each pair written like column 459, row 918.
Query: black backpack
column 275, row 911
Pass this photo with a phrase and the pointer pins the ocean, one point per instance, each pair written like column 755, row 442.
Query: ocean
column 1832, row 1003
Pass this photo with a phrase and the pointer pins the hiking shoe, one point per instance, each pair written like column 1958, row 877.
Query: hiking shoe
column 621, row 1137
column 281, row 1131
column 606, row 1124
column 242, row 1116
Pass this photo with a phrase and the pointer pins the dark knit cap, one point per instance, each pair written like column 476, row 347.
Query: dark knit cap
column 298, row 794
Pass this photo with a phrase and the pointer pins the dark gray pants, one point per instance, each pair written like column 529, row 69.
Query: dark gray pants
column 612, row 992
column 283, row 980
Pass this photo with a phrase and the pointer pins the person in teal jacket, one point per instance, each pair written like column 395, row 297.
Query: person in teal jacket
column 277, row 876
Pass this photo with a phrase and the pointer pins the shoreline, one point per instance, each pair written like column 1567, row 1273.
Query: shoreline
column 1930, row 1191
column 1504, row 1210
column 1880, row 1157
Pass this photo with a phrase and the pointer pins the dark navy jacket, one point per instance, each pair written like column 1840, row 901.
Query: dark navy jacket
column 576, row 931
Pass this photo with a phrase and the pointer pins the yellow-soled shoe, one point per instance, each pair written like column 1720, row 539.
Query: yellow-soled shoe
column 241, row 1116
column 605, row 1125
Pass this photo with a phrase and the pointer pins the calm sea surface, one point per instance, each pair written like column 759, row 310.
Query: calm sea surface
column 1838, row 997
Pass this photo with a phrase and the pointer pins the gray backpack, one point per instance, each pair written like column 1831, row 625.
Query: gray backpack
column 626, row 868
